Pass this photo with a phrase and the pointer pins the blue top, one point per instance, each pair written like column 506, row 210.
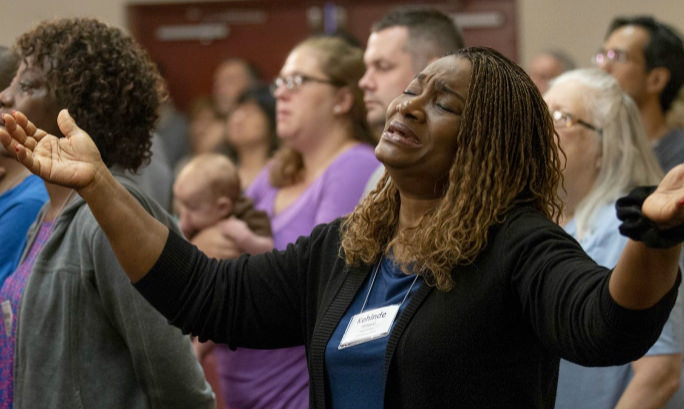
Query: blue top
column 356, row 374
column 19, row 207
column 670, row 150
column 601, row 387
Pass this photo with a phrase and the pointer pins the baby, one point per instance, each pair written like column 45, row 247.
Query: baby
column 207, row 194
column 207, row 198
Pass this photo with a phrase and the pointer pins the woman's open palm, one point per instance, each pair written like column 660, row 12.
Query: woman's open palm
column 665, row 206
column 72, row 161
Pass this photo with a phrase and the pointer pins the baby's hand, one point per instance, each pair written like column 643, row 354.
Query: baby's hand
column 215, row 244
column 235, row 229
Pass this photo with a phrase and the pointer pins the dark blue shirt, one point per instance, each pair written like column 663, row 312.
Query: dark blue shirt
column 355, row 375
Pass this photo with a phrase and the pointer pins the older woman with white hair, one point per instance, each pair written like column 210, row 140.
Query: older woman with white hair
column 606, row 155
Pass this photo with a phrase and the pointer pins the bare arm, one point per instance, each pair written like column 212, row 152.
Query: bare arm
column 656, row 379
column 244, row 238
column 74, row 161
column 644, row 275
column 215, row 244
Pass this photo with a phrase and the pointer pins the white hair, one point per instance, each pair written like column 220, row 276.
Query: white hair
column 627, row 159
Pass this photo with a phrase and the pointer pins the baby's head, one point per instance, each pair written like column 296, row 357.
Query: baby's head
column 205, row 192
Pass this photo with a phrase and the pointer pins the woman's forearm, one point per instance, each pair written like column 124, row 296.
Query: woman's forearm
column 643, row 275
column 136, row 237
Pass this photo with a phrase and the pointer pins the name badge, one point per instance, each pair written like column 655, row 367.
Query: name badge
column 369, row 325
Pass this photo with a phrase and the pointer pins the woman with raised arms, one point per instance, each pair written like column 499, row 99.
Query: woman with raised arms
column 450, row 285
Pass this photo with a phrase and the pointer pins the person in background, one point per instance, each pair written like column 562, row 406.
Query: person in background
column 400, row 45
column 461, row 238
column 547, row 65
column 647, row 59
column 251, row 132
column 317, row 175
column 173, row 129
column 155, row 178
column 206, row 129
column 21, row 193
column 231, row 78
column 607, row 154
column 207, row 192
column 73, row 333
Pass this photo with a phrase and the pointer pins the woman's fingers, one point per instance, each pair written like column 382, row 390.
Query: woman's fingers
column 25, row 156
column 28, row 126
column 13, row 129
column 30, row 143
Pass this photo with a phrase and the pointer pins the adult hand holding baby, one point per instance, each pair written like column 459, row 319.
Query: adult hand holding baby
column 215, row 244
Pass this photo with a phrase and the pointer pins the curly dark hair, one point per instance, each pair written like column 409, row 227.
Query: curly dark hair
column 507, row 156
column 105, row 79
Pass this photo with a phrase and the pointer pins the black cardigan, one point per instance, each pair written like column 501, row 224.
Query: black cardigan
column 494, row 341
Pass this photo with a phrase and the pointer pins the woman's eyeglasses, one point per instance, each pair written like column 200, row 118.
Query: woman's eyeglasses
column 564, row 120
column 294, row 82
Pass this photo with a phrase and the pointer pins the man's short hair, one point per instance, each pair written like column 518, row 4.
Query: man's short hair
column 664, row 49
column 431, row 33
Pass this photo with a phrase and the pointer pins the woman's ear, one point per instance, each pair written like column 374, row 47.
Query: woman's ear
column 345, row 101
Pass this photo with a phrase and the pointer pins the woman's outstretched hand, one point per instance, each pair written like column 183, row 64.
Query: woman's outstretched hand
column 665, row 206
column 73, row 161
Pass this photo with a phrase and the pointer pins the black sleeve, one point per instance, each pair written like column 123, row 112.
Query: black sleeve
column 253, row 301
column 565, row 295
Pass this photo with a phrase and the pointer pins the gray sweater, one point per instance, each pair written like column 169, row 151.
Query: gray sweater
column 87, row 339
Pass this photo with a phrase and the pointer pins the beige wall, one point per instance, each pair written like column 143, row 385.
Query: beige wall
column 20, row 15
column 577, row 26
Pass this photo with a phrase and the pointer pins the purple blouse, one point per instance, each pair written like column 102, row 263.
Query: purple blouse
column 10, row 295
column 278, row 379
column 334, row 194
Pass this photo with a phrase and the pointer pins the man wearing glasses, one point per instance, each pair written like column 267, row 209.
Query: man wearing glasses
column 647, row 59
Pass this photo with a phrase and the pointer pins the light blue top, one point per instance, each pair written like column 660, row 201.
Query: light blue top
column 601, row 387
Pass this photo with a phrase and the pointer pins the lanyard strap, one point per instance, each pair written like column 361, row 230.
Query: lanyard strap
column 375, row 274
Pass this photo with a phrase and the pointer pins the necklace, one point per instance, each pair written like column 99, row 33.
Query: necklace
column 54, row 215
column 375, row 274
column 372, row 324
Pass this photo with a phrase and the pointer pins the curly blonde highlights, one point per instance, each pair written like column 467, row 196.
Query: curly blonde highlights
column 507, row 156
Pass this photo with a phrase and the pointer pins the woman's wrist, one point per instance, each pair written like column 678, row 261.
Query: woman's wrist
column 638, row 227
column 102, row 177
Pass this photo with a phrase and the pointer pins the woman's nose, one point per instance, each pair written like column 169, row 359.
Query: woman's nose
column 412, row 107
column 5, row 98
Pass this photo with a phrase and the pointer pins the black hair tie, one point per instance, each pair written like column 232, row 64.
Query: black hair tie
column 637, row 227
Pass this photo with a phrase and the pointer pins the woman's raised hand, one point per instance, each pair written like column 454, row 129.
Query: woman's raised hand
column 73, row 161
column 665, row 206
